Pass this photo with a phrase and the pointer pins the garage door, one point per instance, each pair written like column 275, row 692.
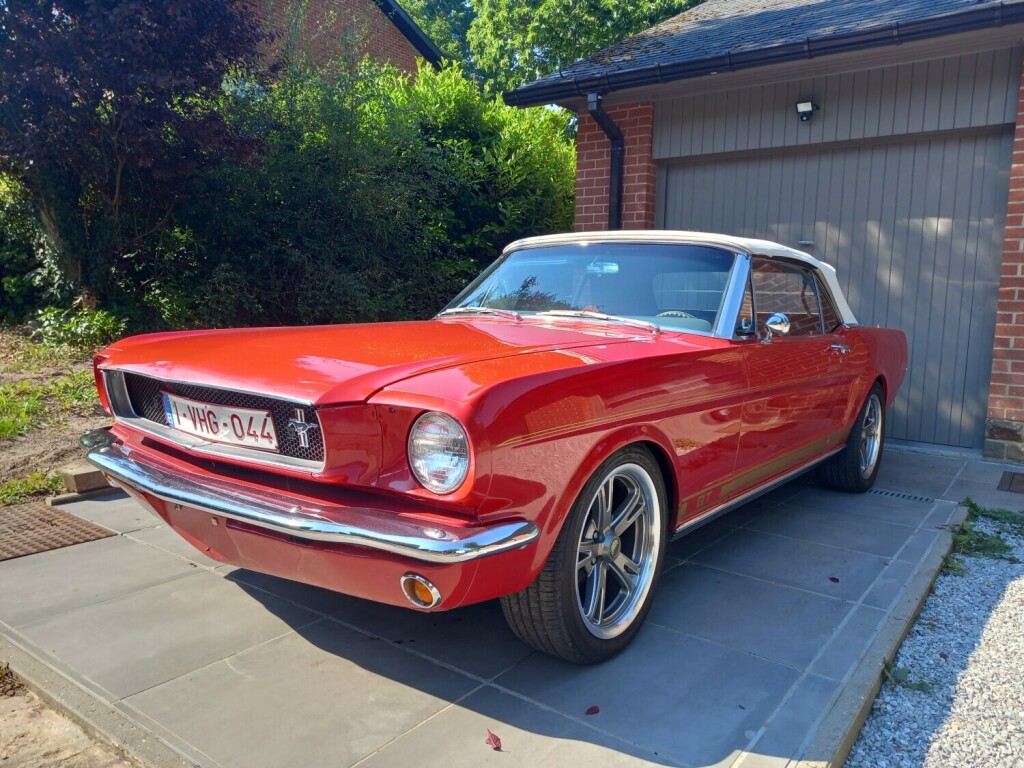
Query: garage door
column 914, row 228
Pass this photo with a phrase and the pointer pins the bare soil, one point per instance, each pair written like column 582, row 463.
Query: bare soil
column 34, row 736
column 54, row 443
column 31, row 734
column 49, row 448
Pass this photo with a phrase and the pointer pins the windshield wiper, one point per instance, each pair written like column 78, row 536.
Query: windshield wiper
column 481, row 311
column 586, row 315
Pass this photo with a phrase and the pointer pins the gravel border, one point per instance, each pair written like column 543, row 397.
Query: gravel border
column 960, row 696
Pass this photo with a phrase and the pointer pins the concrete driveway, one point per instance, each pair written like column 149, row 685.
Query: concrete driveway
column 762, row 649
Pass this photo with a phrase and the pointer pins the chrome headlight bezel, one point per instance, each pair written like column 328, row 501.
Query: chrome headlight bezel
column 439, row 452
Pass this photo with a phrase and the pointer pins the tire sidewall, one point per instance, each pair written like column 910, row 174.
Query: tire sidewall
column 853, row 441
column 594, row 648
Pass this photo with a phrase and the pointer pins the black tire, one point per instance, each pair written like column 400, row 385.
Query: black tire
column 855, row 468
column 580, row 607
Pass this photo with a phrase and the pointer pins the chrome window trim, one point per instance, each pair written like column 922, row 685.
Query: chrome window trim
column 725, row 328
column 824, row 294
column 721, row 329
column 120, row 404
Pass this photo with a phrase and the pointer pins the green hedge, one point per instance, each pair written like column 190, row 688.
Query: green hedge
column 375, row 196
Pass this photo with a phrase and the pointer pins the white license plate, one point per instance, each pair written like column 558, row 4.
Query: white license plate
column 221, row 423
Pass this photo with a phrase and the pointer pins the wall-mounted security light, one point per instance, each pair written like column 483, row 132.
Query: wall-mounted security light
column 805, row 109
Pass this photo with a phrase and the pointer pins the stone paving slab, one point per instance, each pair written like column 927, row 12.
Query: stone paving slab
column 767, row 625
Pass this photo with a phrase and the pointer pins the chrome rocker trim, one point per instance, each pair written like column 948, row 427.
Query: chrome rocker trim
column 715, row 512
column 362, row 526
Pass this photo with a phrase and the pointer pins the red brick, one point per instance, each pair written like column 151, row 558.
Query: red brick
column 1008, row 354
column 329, row 26
column 636, row 120
column 1010, row 331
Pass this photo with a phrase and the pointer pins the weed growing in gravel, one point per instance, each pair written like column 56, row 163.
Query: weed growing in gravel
column 19, row 490
column 1013, row 522
column 901, row 676
column 969, row 541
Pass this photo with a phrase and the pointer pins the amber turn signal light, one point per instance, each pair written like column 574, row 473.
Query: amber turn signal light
column 420, row 592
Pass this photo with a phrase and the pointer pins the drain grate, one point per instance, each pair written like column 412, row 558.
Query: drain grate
column 901, row 496
column 1012, row 482
column 30, row 528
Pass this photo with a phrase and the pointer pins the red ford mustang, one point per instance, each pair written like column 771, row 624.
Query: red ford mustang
column 583, row 401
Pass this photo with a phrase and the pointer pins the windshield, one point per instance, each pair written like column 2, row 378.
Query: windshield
column 675, row 286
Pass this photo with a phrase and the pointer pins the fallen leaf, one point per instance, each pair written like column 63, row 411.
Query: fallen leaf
column 833, row 579
column 593, row 710
column 493, row 741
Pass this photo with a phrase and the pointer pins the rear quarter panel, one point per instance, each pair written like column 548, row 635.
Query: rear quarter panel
column 876, row 353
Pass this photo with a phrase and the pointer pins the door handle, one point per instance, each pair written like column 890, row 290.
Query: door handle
column 842, row 349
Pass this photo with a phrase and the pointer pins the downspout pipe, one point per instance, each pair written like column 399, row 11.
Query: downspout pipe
column 618, row 156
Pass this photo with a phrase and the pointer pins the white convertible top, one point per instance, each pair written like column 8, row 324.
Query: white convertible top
column 748, row 245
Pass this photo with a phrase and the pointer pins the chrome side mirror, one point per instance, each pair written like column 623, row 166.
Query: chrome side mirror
column 776, row 323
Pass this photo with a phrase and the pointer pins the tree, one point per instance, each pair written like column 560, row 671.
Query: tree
column 107, row 112
column 446, row 22
column 515, row 41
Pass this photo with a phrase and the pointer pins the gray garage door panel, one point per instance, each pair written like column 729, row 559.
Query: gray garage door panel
column 914, row 229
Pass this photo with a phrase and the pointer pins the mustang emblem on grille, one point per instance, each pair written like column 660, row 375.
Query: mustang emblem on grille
column 301, row 427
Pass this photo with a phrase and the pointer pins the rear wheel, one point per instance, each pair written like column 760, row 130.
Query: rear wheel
column 854, row 469
column 595, row 590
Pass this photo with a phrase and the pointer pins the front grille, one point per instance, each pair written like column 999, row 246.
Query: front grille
column 144, row 394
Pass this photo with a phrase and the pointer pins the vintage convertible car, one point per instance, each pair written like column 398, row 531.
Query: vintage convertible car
column 540, row 440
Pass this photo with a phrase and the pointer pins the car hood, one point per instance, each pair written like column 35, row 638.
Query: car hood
column 326, row 365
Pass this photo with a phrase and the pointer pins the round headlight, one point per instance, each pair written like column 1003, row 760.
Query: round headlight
column 438, row 452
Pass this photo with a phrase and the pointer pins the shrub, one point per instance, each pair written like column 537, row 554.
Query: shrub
column 78, row 328
column 23, row 275
column 376, row 197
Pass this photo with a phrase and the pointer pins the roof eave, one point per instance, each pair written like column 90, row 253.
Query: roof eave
column 411, row 30
column 550, row 92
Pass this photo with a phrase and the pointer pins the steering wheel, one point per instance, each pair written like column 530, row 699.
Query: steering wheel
column 675, row 313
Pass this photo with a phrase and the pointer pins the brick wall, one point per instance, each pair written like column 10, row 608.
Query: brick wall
column 1004, row 428
column 330, row 26
column 593, row 152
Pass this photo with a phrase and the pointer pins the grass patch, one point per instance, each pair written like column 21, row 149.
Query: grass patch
column 968, row 541
column 20, row 354
column 26, row 404
column 21, row 489
column 19, row 405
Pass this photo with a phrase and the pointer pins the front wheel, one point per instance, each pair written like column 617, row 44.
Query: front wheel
column 855, row 467
column 595, row 590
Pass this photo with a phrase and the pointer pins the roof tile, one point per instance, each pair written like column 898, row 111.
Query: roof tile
column 727, row 28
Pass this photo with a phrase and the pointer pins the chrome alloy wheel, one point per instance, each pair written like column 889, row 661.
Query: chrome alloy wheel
column 617, row 554
column 870, row 435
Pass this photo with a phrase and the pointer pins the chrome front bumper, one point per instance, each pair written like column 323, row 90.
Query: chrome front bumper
column 360, row 526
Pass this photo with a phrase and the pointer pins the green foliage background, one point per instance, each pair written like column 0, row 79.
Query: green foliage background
column 370, row 195
column 375, row 196
column 174, row 183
